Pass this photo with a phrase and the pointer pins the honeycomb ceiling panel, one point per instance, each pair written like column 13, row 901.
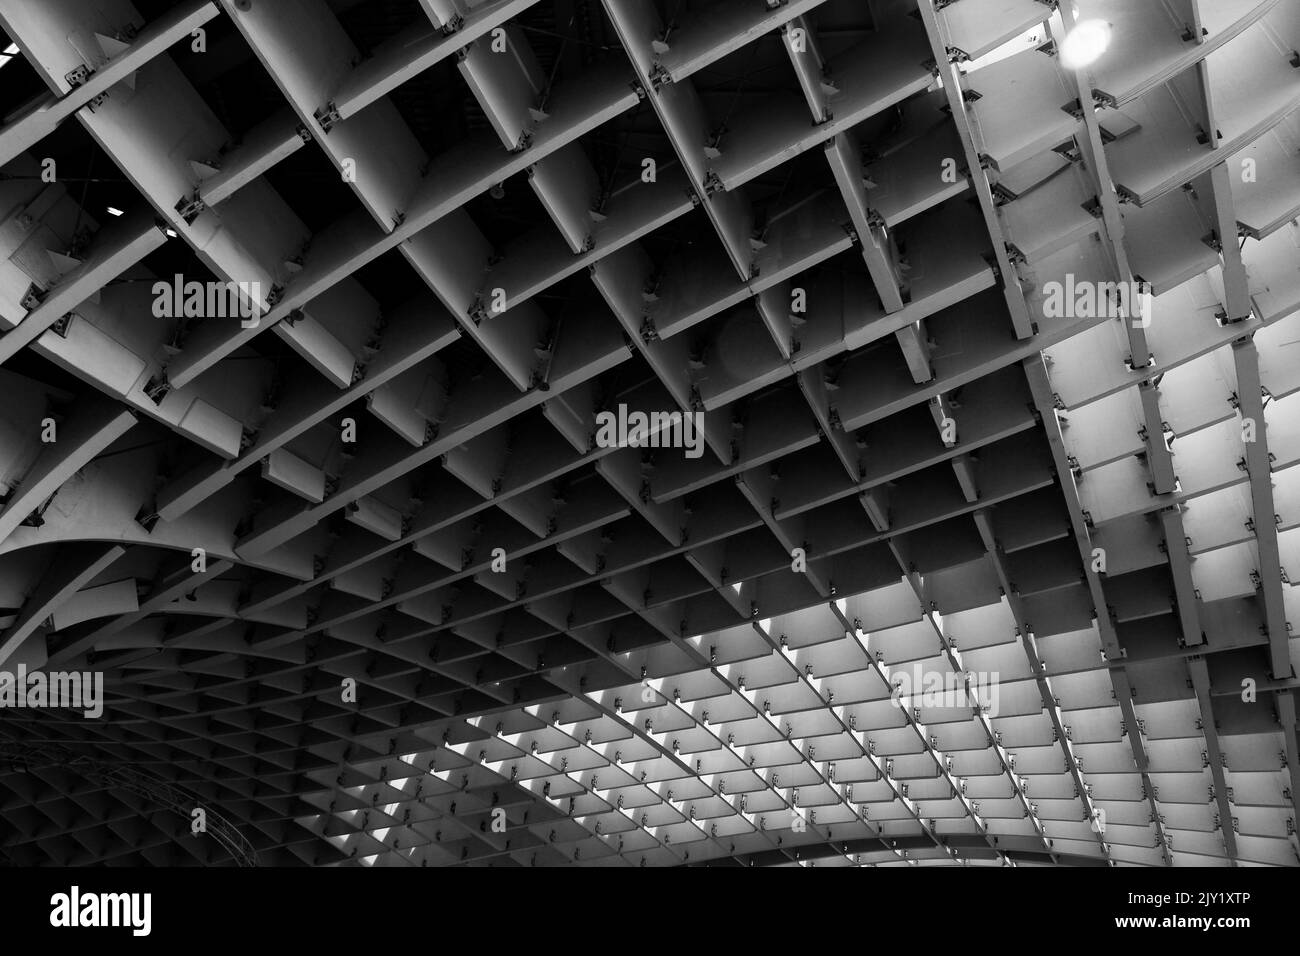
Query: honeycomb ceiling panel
column 649, row 432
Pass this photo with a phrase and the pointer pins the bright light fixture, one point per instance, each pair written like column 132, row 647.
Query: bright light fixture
column 11, row 50
column 1085, row 44
column 113, row 211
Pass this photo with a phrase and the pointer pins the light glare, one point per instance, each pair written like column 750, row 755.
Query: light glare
column 1085, row 44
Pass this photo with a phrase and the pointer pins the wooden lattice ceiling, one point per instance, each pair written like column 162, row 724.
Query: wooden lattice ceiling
column 473, row 635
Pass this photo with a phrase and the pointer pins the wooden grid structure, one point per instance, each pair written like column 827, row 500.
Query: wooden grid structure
column 360, row 577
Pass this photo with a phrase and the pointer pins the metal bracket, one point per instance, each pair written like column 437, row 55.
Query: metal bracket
column 327, row 116
column 189, row 207
column 32, row 297
column 157, row 388
column 60, row 328
column 78, row 75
